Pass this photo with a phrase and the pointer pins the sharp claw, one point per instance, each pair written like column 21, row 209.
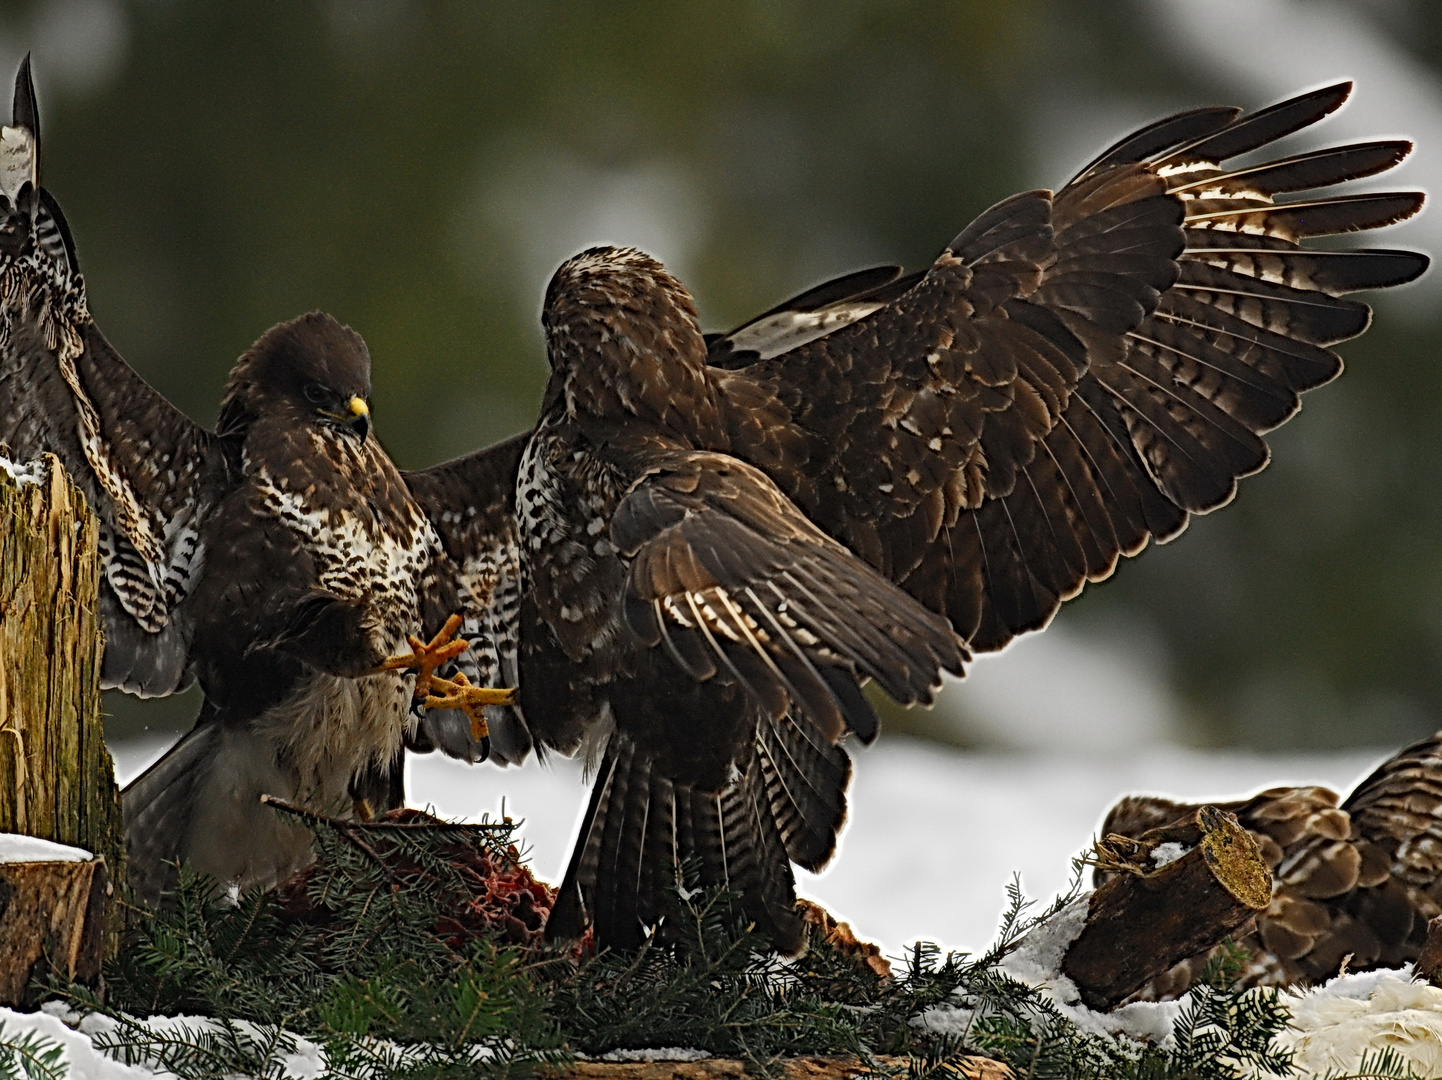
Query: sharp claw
column 480, row 730
column 425, row 658
column 458, row 693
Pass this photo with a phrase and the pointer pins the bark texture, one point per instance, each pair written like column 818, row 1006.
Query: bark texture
column 51, row 911
column 810, row 1068
column 1149, row 917
column 56, row 777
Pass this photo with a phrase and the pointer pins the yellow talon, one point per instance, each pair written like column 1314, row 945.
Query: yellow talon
column 427, row 657
column 458, row 693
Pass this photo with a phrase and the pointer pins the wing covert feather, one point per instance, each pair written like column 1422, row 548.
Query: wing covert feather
column 1078, row 373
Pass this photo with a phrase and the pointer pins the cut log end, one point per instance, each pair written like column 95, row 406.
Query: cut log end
column 1148, row 917
column 1234, row 858
column 53, row 914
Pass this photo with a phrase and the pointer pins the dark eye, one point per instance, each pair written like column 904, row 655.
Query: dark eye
column 315, row 393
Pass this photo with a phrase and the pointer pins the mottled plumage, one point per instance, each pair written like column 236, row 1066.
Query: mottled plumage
column 1355, row 880
column 275, row 560
column 722, row 539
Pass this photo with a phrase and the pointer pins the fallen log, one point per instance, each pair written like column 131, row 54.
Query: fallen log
column 1176, row 892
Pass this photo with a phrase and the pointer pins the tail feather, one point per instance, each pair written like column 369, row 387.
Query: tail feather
column 805, row 778
column 157, row 807
column 641, row 829
column 200, row 804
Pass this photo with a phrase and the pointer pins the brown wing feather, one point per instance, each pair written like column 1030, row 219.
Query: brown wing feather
column 724, row 570
column 470, row 502
column 150, row 474
column 1077, row 374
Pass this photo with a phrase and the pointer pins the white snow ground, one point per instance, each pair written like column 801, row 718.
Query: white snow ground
column 934, row 834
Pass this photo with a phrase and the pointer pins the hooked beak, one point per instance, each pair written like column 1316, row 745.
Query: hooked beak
column 360, row 421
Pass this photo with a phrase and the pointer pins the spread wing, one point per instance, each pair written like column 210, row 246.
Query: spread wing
column 471, row 504
column 1076, row 374
column 724, row 572
column 149, row 473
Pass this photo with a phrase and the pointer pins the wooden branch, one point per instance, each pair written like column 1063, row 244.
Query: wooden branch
column 1147, row 918
column 808, row 1068
column 53, row 912
column 57, row 781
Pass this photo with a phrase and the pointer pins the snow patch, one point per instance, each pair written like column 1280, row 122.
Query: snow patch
column 17, row 848
column 84, row 1061
column 660, row 1053
column 1335, row 1025
column 306, row 1062
column 1166, row 853
column 26, row 472
column 1036, row 961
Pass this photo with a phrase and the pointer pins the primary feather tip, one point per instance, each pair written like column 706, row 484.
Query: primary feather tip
column 20, row 142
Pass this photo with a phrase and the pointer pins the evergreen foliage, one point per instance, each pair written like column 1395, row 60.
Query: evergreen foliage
column 373, row 957
column 28, row 1055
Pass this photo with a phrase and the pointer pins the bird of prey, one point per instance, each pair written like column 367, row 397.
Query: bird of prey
column 279, row 560
column 1355, row 882
column 722, row 540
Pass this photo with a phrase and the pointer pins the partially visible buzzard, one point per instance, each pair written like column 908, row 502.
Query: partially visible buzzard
column 721, row 541
column 1355, row 881
column 277, row 560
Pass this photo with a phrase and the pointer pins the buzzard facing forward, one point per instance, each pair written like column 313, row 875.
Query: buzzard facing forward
column 278, row 561
column 722, row 541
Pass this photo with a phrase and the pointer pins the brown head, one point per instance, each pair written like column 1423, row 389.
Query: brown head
column 623, row 340
column 310, row 370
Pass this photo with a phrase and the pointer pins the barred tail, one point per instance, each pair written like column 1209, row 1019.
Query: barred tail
column 640, row 827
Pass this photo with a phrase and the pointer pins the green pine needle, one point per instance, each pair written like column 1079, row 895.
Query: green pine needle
column 375, row 975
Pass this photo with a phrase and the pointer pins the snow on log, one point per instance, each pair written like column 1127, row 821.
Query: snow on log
column 57, row 781
column 1176, row 893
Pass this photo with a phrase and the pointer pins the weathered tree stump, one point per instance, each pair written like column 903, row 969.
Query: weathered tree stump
column 57, row 781
column 1149, row 916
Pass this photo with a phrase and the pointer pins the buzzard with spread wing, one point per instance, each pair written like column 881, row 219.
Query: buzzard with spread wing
column 279, row 560
column 721, row 541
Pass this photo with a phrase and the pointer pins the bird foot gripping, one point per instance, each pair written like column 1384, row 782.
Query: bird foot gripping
column 436, row 692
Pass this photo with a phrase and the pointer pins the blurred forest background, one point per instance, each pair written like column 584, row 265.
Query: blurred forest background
column 418, row 169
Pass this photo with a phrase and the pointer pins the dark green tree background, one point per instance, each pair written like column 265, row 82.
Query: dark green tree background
column 418, row 168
